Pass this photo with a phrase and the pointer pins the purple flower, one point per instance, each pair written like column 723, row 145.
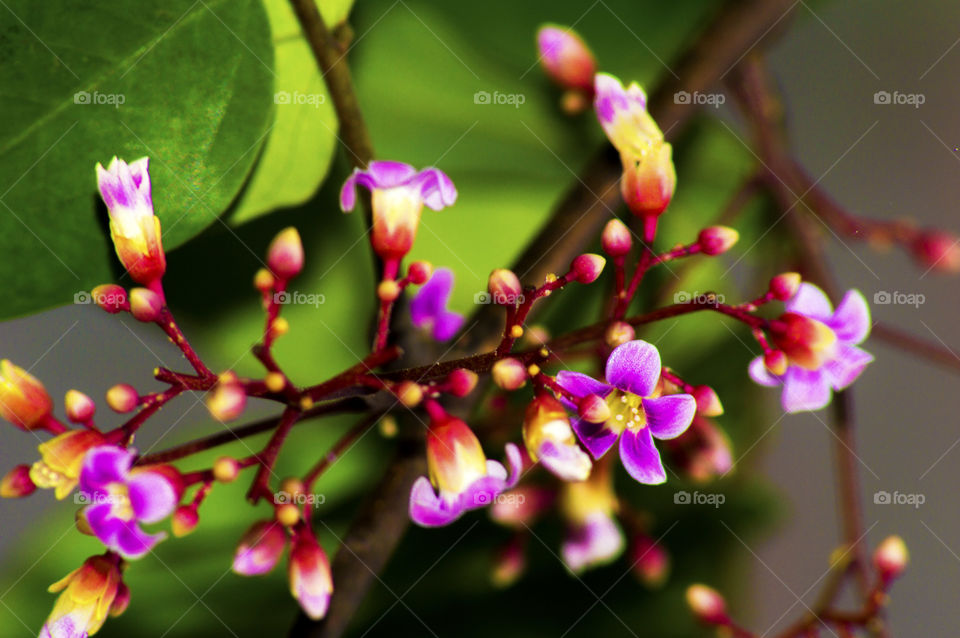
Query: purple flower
column 637, row 413
column 827, row 360
column 398, row 194
column 428, row 309
column 121, row 498
column 595, row 541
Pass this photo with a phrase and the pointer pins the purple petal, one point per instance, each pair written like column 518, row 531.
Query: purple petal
column 429, row 510
column 567, row 462
column 759, row 373
column 846, row 366
column 596, row 437
column 597, row 541
column 484, row 491
column 634, row 367
column 431, row 300
column 580, row 385
column 551, row 42
column 669, row 416
column 640, row 457
column 515, row 460
column 132, row 542
column 810, row 301
column 103, row 465
column 436, row 188
column 388, row 174
column 99, row 517
column 348, row 193
column 446, row 325
column 851, row 320
column 151, row 496
column 805, row 389
column 612, row 97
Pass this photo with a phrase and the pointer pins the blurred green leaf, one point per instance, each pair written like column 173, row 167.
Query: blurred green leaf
column 186, row 83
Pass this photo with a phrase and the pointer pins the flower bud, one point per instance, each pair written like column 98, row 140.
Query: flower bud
column 226, row 469
column 785, row 285
column 651, row 562
column 586, row 268
column 461, row 382
column 263, row 280
column 80, row 407
column 285, row 254
column 717, row 240
column 287, row 514
column 509, row 374
column 259, row 549
column 17, row 483
column 648, row 182
column 616, row 239
column 409, row 393
column 121, row 602
column 24, row 401
column 309, row 571
column 775, row 361
column 593, row 409
column 145, row 305
column 707, row 604
column 185, row 520
column 937, row 250
column 504, row 287
column 419, row 272
column 566, row 58
column 227, row 400
column 87, row 594
column 891, row 557
column 275, row 381
column 708, row 403
column 618, row 333
column 110, row 297
column 806, row 341
column 388, row 290
column 509, row 563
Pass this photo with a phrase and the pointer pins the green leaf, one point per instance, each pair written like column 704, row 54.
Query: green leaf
column 186, row 83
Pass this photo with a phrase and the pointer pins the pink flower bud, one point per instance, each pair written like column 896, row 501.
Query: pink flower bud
column 717, row 240
column 227, row 400
column 185, row 520
column 587, row 267
column 309, row 572
column 707, row 604
column 566, row 58
column 80, row 407
column 619, row 332
column 17, row 483
column 145, row 305
column 285, row 254
column 509, row 373
column 616, row 239
column 504, row 287
column 937, row 250
column 419, row 272
column 806, row 341
column 651, row 562
column 24, row 401
column 708, row 403
column 259, row 549
column 775, row 361
column 785, row 285
column 509, row 563
column 593, row 409
column 461, row 382
column 891, row 557
column 121, row 602
column 648, row 182
column 110, row 297
column 122, row 398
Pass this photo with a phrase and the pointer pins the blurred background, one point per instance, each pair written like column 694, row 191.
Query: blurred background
column 417, row 65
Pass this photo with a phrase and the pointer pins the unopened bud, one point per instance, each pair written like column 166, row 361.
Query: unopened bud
column 566, row 58
column 937, row 250
column 388, row 290
column 227, row 400
column 717, row 240
column 461, row 382
column 587, row 267
column 785, row 285
column 616, row 239
column 110, row 297
column 285, row 254
column 593, row 409
column 509, row 374
column 17, row 483
column 574, row 102
column 288, row 514
column 145, row 305
column 122, row 398
column 293, row 485
column 775, row 361
column 891, row 557
column 275, row 381
column 707, row 604
column 504, row 287
column 226, row 469
column 648, row 183
column 185, row 520
column 80, row 407
column 708, row 403
column 263, row 280
column 409, row 393
column 388, row 427
column 651, row 562
column 419, row 272
column 619, row 332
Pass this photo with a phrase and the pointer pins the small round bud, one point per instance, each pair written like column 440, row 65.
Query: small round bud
column 717, row 240
column 462, row 382
column 145, row 305
column 504, row 287
column 275, row 381
column 616, row 239
column 419, row 272
column 110, row 297
column 619, row 332
column 409, row 393
column 263, row 280
column 280, row 326
column 122, row 398
column 17, row 483
column 292, row 485
column 775, row 361
column 707, row 604
column 785, row 285
column 708, row 403
column 516, row 331
column 306, row 403
column 891, row 557
column 285, row 254
column 574, row 102
column 226, row 469
column 388, row 427
column 185, row 520
column 937, row 250
column 593, row 409
column 536, row 335
column 80, row 407
column 388, row 290
column 509, row 374
column 227, row 400
column 288, row 514
column 587, row 267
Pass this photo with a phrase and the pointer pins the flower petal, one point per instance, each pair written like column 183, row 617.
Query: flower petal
column 595, row 542
column 103, row 465
column 429, row 510
column 132, row 542
column 810, row 301
column 759, row 373
column 846, row 366
column 436, row 188
column 432, row 298
column 151, row 496
column 567, row 462
column 596, row 437
column 851, row 320
column 634, row 367
column 805, row 389
column 447, row 325
column 388, row 174
column 580, row 385
column 641, row 458
column 669, row 416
